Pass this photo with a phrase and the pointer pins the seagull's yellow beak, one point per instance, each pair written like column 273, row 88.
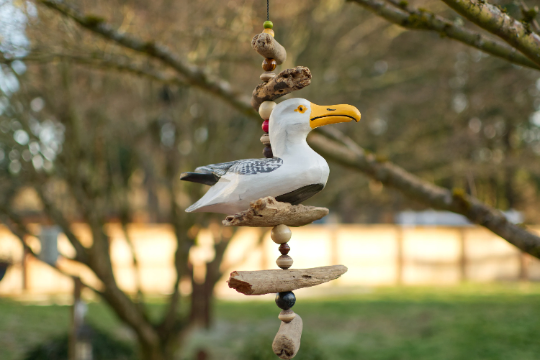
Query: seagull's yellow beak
column 324, row 115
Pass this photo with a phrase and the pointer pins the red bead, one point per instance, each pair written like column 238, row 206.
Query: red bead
column 284, row 249
column 265, row 126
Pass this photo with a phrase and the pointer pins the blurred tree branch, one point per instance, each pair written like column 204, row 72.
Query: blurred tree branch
column 192, row 74
column 400, row 13
column 457, row 201
column 17, row 226
column 496, row 21
column 529, row 16
column 349, row 154
column 100, row 63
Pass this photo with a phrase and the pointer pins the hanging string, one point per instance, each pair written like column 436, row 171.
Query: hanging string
column 267, row 10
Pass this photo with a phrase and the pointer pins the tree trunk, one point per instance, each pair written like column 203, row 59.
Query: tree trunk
column 165, row 350
column 201, row 304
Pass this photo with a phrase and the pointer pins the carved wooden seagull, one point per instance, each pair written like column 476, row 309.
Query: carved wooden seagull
column 294, row 174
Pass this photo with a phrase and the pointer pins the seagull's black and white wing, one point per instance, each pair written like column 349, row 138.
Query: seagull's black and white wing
column 210, row 174
column 255, row 166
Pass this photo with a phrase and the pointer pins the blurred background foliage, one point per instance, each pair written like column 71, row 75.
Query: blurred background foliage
column 101, row 134
column 495, row 322
column 448, row 113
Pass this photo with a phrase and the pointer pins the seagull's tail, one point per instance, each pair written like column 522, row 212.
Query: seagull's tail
column 194, row 207
column 212, row 196
column 207, row 199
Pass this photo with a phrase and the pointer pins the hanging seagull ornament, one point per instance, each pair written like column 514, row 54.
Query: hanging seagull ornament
column 294, row 174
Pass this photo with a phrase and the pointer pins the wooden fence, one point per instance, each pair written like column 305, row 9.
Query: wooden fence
column 376, row 255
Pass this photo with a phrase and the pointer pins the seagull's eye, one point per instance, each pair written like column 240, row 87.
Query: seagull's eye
column 301, row 109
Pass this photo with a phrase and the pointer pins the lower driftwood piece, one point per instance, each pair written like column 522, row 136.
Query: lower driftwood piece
column 287, row 341
column 270, row 212
column 274, row 281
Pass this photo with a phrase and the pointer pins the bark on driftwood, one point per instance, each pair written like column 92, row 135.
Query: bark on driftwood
column 270, row 212
column 283, row 83
column 274, row 281
column 269, row 48
column 287, row 341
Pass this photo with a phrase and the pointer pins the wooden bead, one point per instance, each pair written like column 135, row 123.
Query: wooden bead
column 281, row 234
column 286, row 315
column 269, row 31
column 265, row 126
column 265, row 110
column 268, row 24
column 285, row 300
column 267, row 152
column 284, row 262
column 284, row 249
column 265, row 139
column 267, row 76
column 269, row 64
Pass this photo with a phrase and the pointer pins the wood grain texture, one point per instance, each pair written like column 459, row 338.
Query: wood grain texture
column 285, row 82
column 287, row 341
column 270, row 212
column 274, row 281
column 269, row 48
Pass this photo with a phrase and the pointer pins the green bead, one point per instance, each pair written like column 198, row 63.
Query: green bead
column 268, row 25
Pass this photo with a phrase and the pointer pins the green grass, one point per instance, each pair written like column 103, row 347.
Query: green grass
column 486, row 322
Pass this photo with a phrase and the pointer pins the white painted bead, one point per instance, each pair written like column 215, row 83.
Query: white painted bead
column 281, row 234
column 286, row 315
column 265, row 139
column 266, row 109
column 284, row 261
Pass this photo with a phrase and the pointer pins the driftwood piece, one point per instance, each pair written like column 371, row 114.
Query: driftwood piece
column 274, row 281
column 270, row 212
column 269, row 48
column 287, row 341
column 283, row 83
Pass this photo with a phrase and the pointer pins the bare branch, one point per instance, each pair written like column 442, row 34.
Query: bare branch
column 434, row 196
column 422, row 20
column 193, row 75
column 389, row 174
column 494, row 20
column 529, row 16
column 106, row 64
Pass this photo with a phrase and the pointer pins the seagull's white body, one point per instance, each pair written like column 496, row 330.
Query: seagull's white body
column 294, row 166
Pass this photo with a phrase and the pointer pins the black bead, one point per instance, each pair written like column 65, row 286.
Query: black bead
column 267, row 152
column 285, row 300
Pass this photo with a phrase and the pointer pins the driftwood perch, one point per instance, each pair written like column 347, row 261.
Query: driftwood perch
column 270, row 212
column 287, row 341
column 269, row 48
column 274, row 281
column 283, row 83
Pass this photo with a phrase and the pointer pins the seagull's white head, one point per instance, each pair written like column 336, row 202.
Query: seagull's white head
column 293, row 119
